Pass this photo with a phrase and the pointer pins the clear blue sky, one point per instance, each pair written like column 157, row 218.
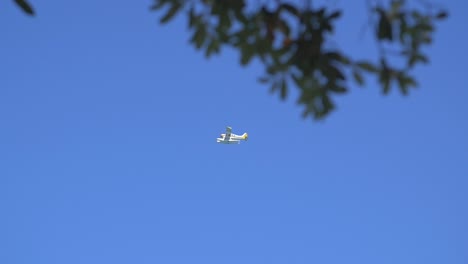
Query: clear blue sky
column 108, row 123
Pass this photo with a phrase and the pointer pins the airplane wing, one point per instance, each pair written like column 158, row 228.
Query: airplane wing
column 228, row 133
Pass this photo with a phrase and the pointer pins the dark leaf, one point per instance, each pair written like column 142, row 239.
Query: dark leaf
column 425, row 27
column 416, row 58
column 335, row 15
column 427, row 40
column 358, row 78
column 333, row 55
column 442, row 15
column 386, row 86
column 274, row 86
column 367, row 66
column 327, row 103
column 338, row 89
column 272, row 69
column 384, row 29
column 343, row 59
column 409, row 81
column 320, row 12
column 216, row 8
column 298, row 81
column 263, row 79
column 416, row 15
column 284, row 89
column 334, row 72
column 402, row 84
column 224, row 21
column 213, row 47
column 385, row 81
column 327, row 106
column 403, row 28
column 290, row 8
column 246, row 55
column 327, row 27
column 25, row 6
column 159, row 4
column 237, row 5
column 193, row 19
column 241, row 16
column 396, row 5
column 199, row 36
column 171, row 12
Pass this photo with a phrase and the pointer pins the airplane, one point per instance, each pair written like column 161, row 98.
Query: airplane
column 231, row 138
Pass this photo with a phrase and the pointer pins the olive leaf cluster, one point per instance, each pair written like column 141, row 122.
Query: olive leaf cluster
column 291, row 42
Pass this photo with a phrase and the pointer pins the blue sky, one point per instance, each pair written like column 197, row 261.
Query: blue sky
column 108, row 124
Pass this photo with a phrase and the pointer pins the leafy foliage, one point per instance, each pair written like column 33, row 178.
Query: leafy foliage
column 289, row 41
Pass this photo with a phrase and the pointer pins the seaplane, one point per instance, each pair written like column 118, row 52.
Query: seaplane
column 231, row 138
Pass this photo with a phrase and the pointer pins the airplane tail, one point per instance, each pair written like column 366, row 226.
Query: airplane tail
column 245, row 136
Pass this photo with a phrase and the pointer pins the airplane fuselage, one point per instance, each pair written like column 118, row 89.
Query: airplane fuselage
column 222, row 141
column 233, row 139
